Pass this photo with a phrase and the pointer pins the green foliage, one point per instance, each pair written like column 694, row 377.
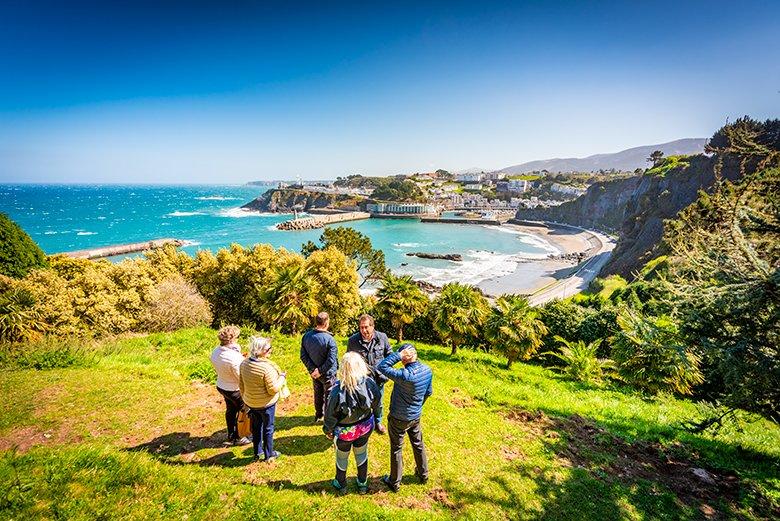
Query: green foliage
column 175, row 304
column 600, row 324
column 19, row 320
column 355, row 246
column 47, row 353
column 335, row 282
column 651, row 354
column 664, row 165
column 203, row 371
column 398, row 190
column 562, row 318
column 457, row 313
column 288, row 301
column 581, row 361
column 514, row 328
column 401, row 300
column 18, row 252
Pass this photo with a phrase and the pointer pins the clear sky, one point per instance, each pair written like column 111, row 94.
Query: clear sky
column 200, row 92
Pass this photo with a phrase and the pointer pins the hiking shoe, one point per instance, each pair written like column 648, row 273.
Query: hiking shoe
column 423, row 479
column 362, row 487
column 381, row 429
column 275, row 454
column 243, row 441
column 392, row 486
column 340, row 489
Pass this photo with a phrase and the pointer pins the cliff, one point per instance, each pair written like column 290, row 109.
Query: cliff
column 284, row 199
column 637, row 207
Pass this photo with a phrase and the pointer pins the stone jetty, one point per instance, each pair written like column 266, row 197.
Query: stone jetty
column 122, row 249
column 319, row 221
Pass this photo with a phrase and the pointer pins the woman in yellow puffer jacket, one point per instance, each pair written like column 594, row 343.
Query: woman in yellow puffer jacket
column 260, row 382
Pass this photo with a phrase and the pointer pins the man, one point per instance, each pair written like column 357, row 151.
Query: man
column 373, row 346
column 319, row 354
column 226, row 359
column 412, row 386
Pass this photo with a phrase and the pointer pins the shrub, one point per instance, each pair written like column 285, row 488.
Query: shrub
column 402, row 301
column 513, row 327
column 19, row 321
column 561, row 318
column 581, row 361
column 599, row 325
column 176, row 304
column 335, row 282
column 651, row 354
column 203, row 371
column 18, row 252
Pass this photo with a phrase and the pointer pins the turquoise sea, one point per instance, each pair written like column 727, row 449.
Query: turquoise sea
column 73, row 217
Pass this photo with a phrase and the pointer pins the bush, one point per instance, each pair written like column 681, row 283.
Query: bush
column 599, row 325
column 562, row 318
column 581, row 361
column 651, row 354
column 176, row 304
column 18, row 252
column 19, row 321
column 203, row 371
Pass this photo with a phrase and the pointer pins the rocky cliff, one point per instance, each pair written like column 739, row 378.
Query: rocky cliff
column 284, row 199
column 636, row 208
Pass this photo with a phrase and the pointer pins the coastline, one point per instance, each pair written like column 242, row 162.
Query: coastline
column 531, row 275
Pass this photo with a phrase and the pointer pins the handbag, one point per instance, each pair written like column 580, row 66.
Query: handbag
column 244, row 426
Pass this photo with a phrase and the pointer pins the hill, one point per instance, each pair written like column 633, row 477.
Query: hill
column 128, row 428
column 625, row 160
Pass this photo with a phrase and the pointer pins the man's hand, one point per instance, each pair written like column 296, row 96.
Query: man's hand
column 315, row 374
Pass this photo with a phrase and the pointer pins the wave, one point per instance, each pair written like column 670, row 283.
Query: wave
column 189, row 243
column 407, row 244
column 86, row 233
column 527, row 238
column 183, row 214
column 243, row 212
column 216, row 198
column 50, row 233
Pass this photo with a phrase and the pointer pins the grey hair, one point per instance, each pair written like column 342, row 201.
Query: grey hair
column 259, row 346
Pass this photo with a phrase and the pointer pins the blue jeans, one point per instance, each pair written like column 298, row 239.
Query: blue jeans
column 262, row 422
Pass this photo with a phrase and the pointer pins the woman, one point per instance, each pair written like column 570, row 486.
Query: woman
column 350, row 418
column 260, row 383
column 226, row 359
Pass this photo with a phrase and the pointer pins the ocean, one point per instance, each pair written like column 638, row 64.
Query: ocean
column 73, row 217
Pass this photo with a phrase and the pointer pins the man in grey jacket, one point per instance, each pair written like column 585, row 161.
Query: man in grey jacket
column 373, row 346
column 412, row 385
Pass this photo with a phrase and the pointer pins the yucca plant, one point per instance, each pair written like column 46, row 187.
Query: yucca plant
column 581, row 361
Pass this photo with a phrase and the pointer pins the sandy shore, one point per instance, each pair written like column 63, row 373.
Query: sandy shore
column 533, row 274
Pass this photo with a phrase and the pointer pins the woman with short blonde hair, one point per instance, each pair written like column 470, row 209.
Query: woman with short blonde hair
column 260, row 384
column 226, row 359
column 350, row 417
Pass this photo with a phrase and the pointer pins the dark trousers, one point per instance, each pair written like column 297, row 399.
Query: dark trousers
column 396, row 429
column 262, row 423
column 322, row 387
column 362, row 468
column 233, row 404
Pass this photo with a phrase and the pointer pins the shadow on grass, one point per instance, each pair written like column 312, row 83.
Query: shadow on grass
column 375, row 486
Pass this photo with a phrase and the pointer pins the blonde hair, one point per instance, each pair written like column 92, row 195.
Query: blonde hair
column 351, row 371
column 228, row 334
column 259, row 346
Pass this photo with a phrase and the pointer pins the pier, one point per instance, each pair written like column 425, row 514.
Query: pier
column 122, row 249
column 319, row 221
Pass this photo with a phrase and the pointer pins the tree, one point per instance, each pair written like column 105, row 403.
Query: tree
column 655, row 158
column 335, row 287
column 402, row 300
column 458, row 312
column 514, row 328
column 288, row 302
column 354, row 245
column 581, row 360
column 18, row 252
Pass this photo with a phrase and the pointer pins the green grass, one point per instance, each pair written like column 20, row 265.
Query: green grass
column 134, row 434
column 524, row 177
column 667, row 164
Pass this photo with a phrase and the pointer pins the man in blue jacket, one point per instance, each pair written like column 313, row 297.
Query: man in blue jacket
column 412, row 386
column 319, row 354
column 373, row 346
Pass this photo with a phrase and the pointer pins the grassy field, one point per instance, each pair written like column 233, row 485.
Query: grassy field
column 128, row 430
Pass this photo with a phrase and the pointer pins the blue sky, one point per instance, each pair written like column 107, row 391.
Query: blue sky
column 201, row 92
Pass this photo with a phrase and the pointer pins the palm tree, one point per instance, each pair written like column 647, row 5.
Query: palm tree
column 581, row 360
column 458, row 312
column 402, row 300
column 288, row 302
column 513, row 325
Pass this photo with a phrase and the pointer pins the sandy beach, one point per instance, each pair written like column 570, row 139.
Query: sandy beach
column 534, row 274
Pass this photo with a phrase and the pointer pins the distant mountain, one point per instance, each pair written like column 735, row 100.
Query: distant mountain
column 627, row 160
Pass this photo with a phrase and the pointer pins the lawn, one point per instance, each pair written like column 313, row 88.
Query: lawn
column 129, row 430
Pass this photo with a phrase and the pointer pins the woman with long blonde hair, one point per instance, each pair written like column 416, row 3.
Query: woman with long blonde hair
column 350, row 417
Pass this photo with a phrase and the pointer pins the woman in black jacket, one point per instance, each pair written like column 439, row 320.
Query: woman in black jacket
column 350, row 417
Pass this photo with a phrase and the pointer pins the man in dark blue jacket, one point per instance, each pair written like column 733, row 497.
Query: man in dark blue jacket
column 412, row 386
column 319, row 354
column 373, row 346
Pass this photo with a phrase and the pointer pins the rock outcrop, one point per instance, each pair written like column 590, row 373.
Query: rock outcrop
column 287, row 199
column 443, row 256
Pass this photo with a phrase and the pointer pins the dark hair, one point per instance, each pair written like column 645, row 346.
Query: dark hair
column 322, row 318
column 365, row 317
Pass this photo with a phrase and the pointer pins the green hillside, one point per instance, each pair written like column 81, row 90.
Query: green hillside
column 128, row 429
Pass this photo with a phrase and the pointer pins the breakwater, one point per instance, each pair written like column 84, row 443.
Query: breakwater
column 122, row 249
column 311, row 223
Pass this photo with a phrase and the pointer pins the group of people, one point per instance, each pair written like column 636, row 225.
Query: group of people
column 348, row 396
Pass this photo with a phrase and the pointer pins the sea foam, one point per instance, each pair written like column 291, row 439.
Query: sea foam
column 183, row 214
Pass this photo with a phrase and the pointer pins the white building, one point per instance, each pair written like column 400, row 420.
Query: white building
column 401, row 208
column 474, row 187
column 468, row 178
column 518, row 185
column 568, row 190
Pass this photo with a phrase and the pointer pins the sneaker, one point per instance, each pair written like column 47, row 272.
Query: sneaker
column 340, row 489
column 275, row 454
column 362, row 487
column 319, row 419
column 423, row 479
column 381, row 429
column 392, row 486
column 243, row 441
